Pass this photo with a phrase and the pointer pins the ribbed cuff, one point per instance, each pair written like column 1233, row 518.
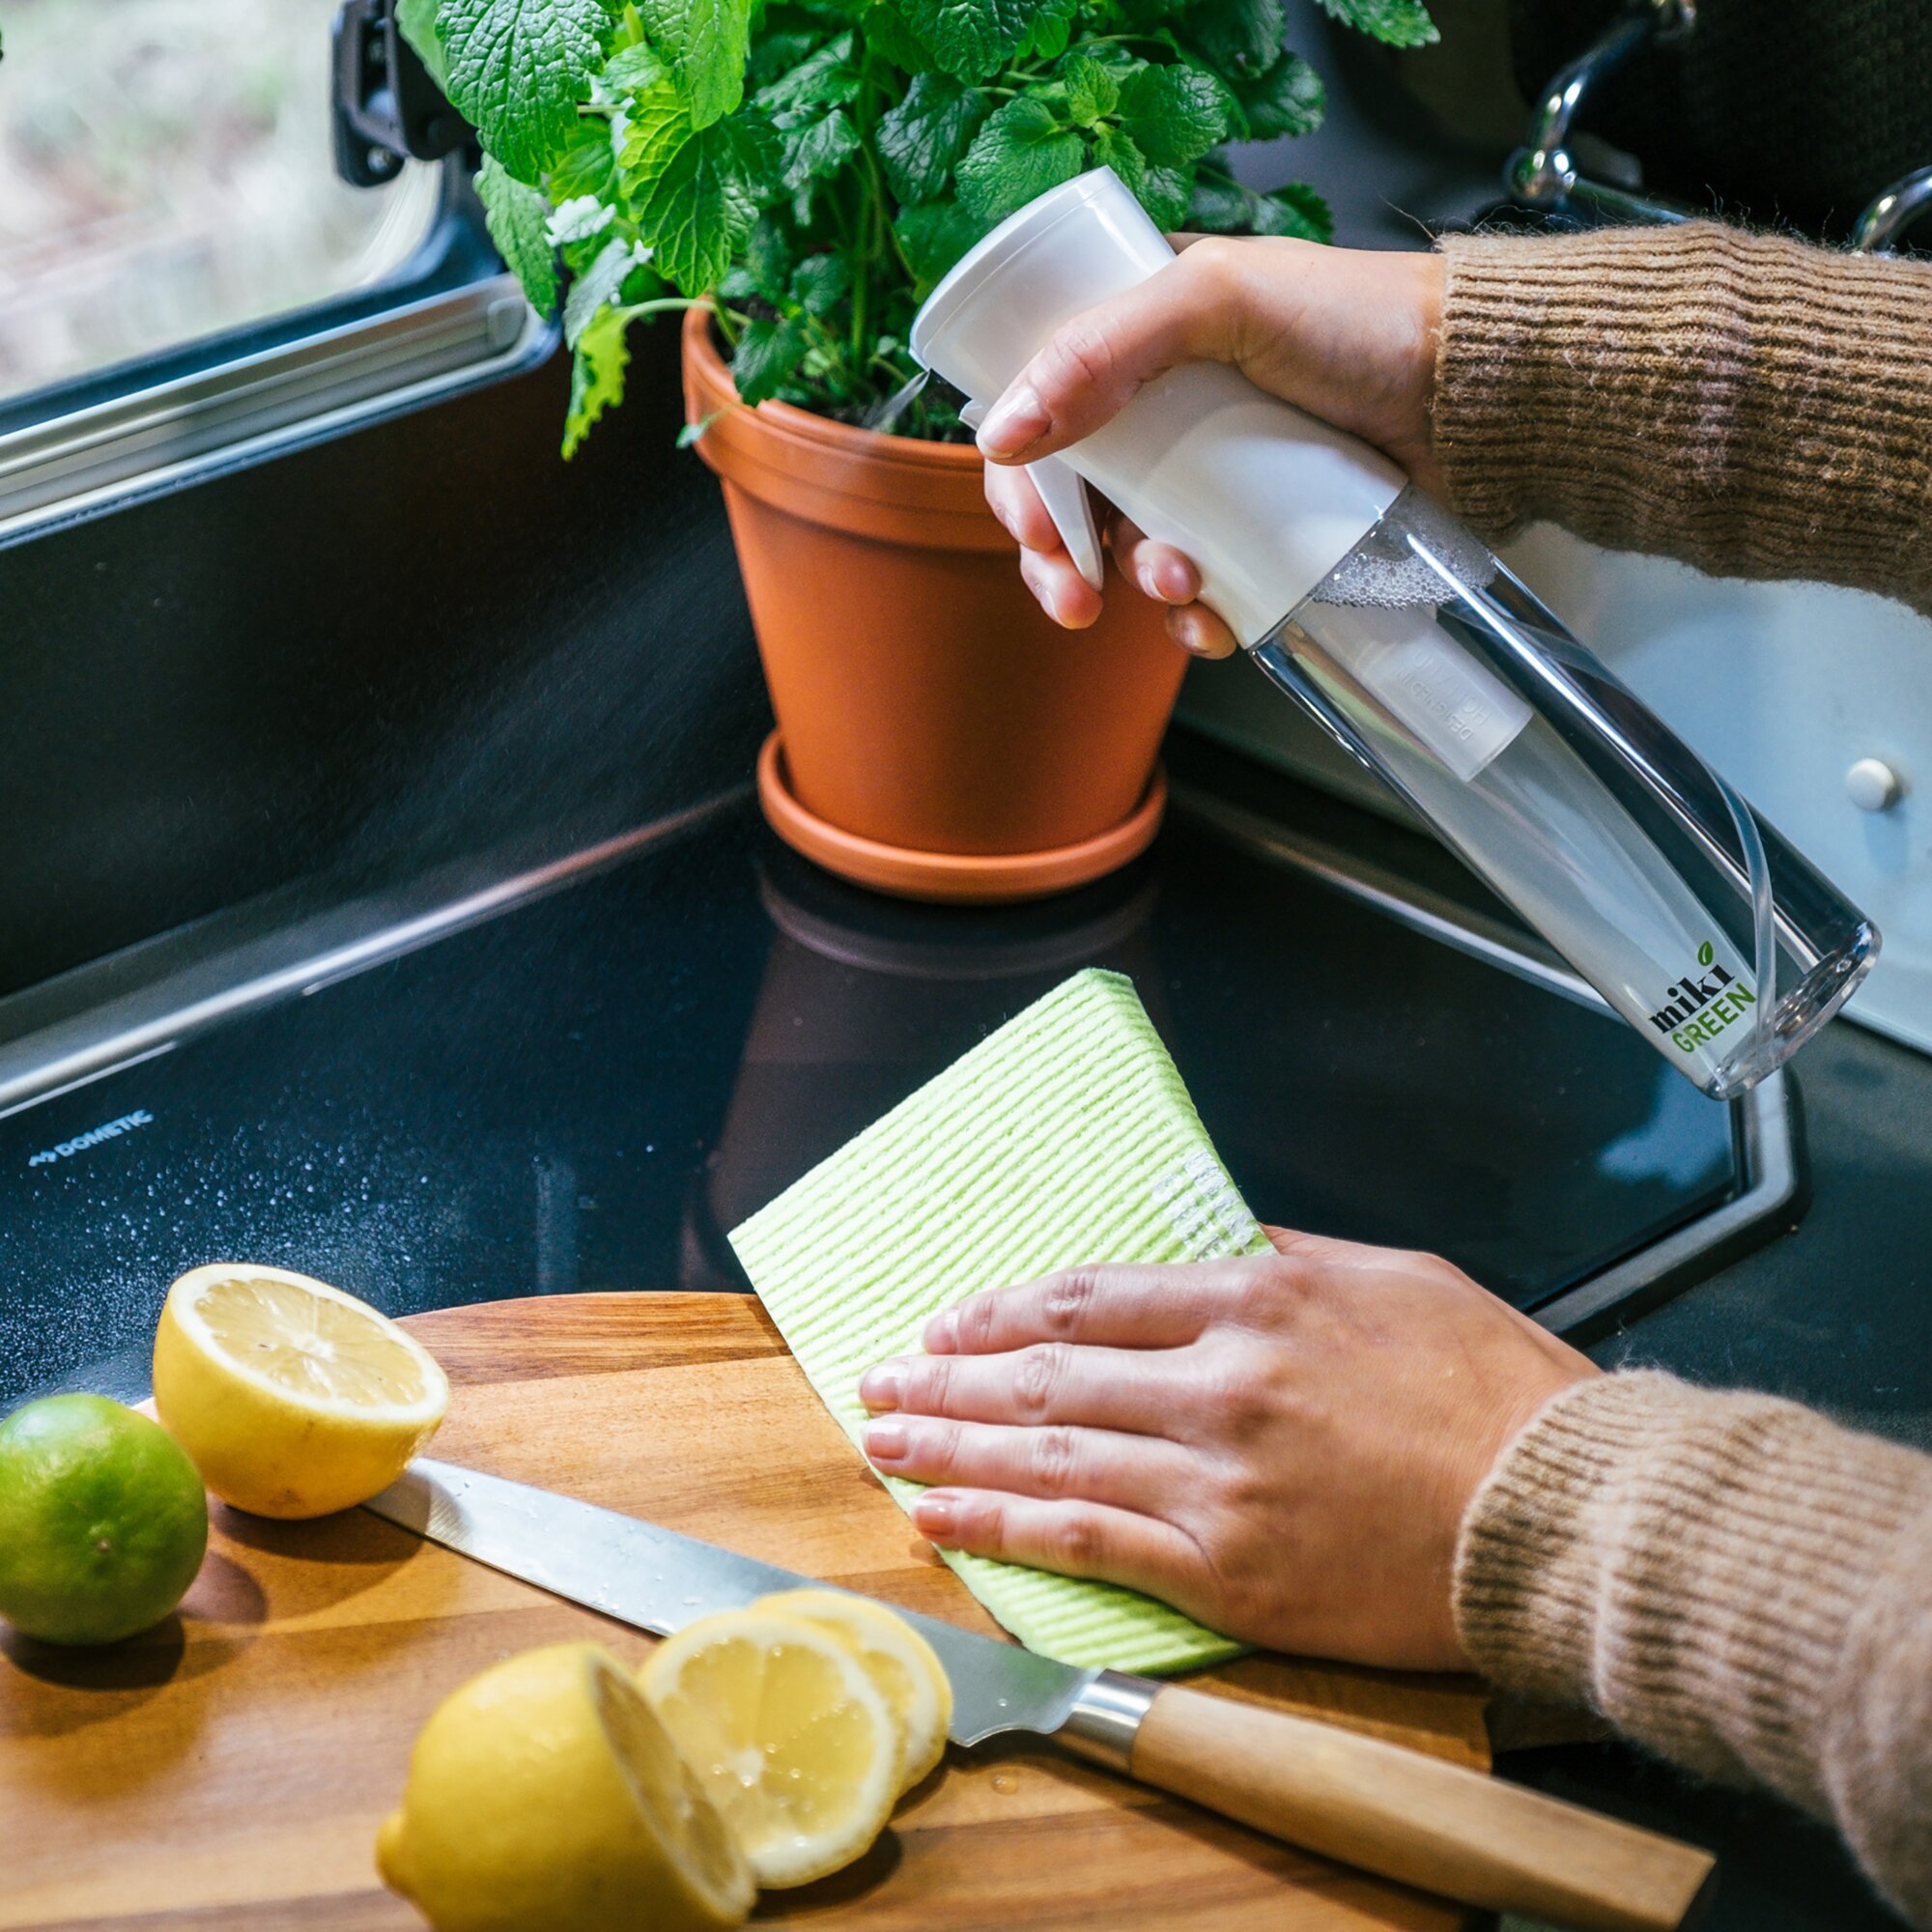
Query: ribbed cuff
column 1731, row 1579
column 1752, row 405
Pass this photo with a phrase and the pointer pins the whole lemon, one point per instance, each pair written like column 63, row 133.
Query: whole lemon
column 102, row 1521
column 545, row 1796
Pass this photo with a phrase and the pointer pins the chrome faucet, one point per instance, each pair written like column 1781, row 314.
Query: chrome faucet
column 1543, row 173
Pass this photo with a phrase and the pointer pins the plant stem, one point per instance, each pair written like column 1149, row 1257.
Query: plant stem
column 863, row 258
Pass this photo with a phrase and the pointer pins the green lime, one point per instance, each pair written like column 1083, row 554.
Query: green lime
column 102, row 1519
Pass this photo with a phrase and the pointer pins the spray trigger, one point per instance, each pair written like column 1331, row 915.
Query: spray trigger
column 1066, row 502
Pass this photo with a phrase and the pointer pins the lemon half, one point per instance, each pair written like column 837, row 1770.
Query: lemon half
column 543, row 1796
column 898, row 1659
column 795, row 1743
column 293, row 1398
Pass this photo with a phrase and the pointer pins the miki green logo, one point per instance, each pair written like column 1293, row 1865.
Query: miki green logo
column 1701, row 1004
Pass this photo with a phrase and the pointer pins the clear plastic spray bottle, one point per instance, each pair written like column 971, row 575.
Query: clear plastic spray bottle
column 1386, row 619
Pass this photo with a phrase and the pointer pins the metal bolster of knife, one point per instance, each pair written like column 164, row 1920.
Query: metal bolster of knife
column 1106, row 1718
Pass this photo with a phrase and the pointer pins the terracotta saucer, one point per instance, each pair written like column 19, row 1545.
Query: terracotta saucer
column 952, row 877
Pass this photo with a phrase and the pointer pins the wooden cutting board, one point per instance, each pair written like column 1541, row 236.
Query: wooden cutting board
column 229, row 1768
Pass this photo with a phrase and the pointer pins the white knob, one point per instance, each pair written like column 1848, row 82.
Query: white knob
column 1872, row 785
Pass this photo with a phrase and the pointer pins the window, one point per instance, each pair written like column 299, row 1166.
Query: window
column 184, row 273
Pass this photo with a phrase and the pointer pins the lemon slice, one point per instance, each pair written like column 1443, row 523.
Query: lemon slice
column 293, row 1398
column 544, row 1796
column 898, row 1659
column 794, row 1742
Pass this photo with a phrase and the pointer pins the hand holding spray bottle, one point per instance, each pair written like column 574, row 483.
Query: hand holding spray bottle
column 1394, row 626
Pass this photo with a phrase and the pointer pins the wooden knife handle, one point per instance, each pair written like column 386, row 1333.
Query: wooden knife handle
column 1414, row 1818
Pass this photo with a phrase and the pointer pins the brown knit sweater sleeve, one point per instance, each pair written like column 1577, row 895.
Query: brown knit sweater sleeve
column 1752, row 405
column 1731, row 1579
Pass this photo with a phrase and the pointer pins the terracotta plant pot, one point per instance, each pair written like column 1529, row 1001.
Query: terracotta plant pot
column 938, row 736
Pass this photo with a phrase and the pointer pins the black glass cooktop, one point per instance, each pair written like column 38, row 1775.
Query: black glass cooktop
column 588, row 1090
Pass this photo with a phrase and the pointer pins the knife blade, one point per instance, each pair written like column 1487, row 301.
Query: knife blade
column 1398, row 1812
column 660, row 1580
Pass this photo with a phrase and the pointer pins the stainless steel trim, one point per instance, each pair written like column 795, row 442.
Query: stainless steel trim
column 1893, row 212
column 1767, row 1139
column 100, row 1018
column 1106, row 1719
column 332, row 380
column 1763, row 1120
column 87, row 1079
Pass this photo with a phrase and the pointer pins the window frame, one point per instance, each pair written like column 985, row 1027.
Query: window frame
column 448, row 318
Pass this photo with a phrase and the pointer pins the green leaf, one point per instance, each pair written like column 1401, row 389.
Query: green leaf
column 588, row 165
column 766, row 355
column 1163, row 193
column 1021, row 152
column 1176, row 113
column 777, row 52
column 639, row 65
column 1051, row 31
column 1287, row 99
column 818, row 149
column 694, row 191
column 1114, row 57
column 576, row 222
column 920, row 140
column 1219, row 204
column 1223, row 206
column 820, row 283
column 972, row 38
column 1115, row 148
column 517, row 219
column 706, row 41
column 597, row 287
column 888, row 35
column 934, row 237
column 581, row 251
column 1092, row 90
column 1239, row 37
column 1295, row 210
column 691, row 433
column 816, row 142
column 763, row 268
column 1400, row 23
column 517, row 70
column 827, row 79
column 415, row 21
column 1706, row 953
column 596, row 378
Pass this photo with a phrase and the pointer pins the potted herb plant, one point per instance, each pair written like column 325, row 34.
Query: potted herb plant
column 796, row 176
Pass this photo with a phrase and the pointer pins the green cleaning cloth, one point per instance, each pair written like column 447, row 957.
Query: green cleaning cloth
column 1065, row 1137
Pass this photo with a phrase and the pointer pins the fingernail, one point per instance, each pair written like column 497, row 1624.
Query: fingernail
column 934, row 1516
column 1185, row 631
column 942, row 1332
column 883, row 1388
column 1018, row 421
column 1148, row 580
column 1180, row 586
column 885, row 1441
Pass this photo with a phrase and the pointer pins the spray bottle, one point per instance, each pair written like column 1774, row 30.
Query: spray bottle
column 1402, row 635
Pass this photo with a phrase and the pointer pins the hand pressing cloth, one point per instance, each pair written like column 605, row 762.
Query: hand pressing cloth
column 1065, row 1137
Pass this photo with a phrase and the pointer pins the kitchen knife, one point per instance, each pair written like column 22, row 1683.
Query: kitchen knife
column 1389, row 1811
